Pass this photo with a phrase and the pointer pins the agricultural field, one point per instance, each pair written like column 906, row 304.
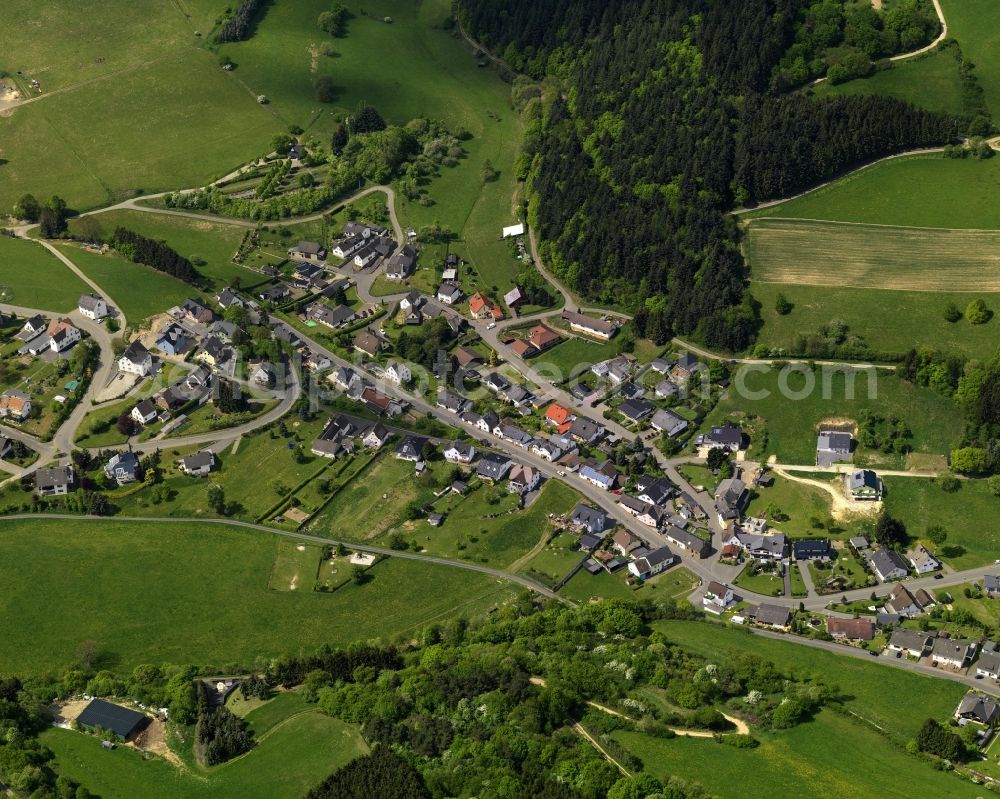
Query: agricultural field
column 797, row 762
column 198, row 593
column 792, row 422
column 297, row 746
column 32, row 277
column 869, row 690
column 930, row 81
column 915, row 191
column 921, row 503
column 802, row 252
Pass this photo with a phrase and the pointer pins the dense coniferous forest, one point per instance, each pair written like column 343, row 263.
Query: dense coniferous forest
column 655, row 120
column 240, row 25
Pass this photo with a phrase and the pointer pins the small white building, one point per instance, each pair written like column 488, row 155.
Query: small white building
column 398, row 373
column 92, row 306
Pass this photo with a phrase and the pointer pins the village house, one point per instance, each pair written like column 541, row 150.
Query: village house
column 718, row 598
column 668, row 422
column 864, row 484
column 603, row 476
column 411, row 448
column 665, row 389
column 546, row 449
column 902, row 603
column 453, row 403
column 952, row 652
column 523, row 479
column 173, row 340
column 123, row 467
column 449, row 293
column 623, row 542
column 228, row 298
column 689, row 542
column 813, row 549
column 92, row 306
column 136, row 360
column 731, row 499
column 54, row 480
column 851, row 629
column 482, row 307
column 913, row 642
column 923, row 562
column 368, row 343
column 652, row 563
column 365, row 256
column 276, row 293
column 330, row 317
column 310, row 251
column 15, row 405
column 375, row 436
column 144, row 412
column 833, row 446
column 398, row 373
column 349, row 245
column 988, row 665
column 459, row 452
column 635, row 410
column 198, row 464
column 991, row 585
column 379, row 403
column 585, row 430
column 729, row 436
column 401, row 265
column 335, row 439
column 777, row 617
column 493, row 468
column 762, row 547
column 213, row 352
column 590, row 519
column 887, row 564
column 62, row 335
column 196, row 312
column 598, row 328
column 977, row 708
column 543, row 337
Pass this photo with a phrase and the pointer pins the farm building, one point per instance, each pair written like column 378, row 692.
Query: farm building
column 122, row 721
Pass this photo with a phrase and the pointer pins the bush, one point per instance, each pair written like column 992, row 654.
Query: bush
column 949, row 483
column 977, row 312
column 952, row 313
column 325, row 88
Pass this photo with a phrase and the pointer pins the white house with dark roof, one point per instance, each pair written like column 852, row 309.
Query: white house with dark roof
column 988, row 665
column 459, row 452
column 198, row 464
column 92, row 306
column 717, row 598
column 651, row 563
column 144, row 411
column 833, row 446
column 864, row 484
column 888, row 565
column 923, row 562
column 136, row 360
column 952, row 652
column 668, row 422
column 593, row 520
column 977, row 708
column 912, row 642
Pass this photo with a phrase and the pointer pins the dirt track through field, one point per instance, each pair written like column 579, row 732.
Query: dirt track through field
column 834, row 254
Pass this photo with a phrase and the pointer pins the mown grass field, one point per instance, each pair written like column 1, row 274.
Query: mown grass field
column 828, row 756
column 892, row 321
column 33, row 277
column 972, row 541
column 801, row 252
column 792, row 422
column 298, row 746
column 930, row 81
column 919, row 190
column 197, row 593
column 798, row 501
column 870, row 690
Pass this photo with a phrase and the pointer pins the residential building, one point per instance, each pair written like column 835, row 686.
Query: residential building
column 144, row 412
column 762, row 547
column 598, row 328
column 123, row 467
column 654, row 490
column 601, row 476
column 543, row 337
column 661, row 365
column 365, row 256
column 453, row 403
column 585, row 430
column 668, row 422
column 482, row 307
column 777, row 617
column 62, row 335
column 977, row 708
column 15, row 405
column 593, row 520
column 335, row 439
column 376, row 436
column 228, row 298
column 665, row 389
column 652, row 563
column 833, row 446
column 136, row 360
column 173, row 340
column 523, row 479
column 902, row 603
column 493, row 468
column 991, row 585
column 731, row 499
column 411, row 448
column 450, row 293
column 952, row 652
column 310, row 251
column 348, row 246
column 514, row 297
column 888, row 565
column 717, row 598
column 92, row 306
column 729, row 436
column 459, row 452
column 368, row 343
column 988, row 665
column 54, row 480
column 864, row 484
column 398, row 373
column 813, row 549
column 851, row 629
column 198, row 464
column 197, row 312
column 402, row 264
column 275, row 294
column 912, row 642
column 687, row 541
column 413, row 300
column 624, row 542
column 635, row 410
column 923, row 562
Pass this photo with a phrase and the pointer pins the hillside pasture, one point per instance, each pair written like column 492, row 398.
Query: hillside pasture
column 803, row 252
column 32, row 277
column 182, row 592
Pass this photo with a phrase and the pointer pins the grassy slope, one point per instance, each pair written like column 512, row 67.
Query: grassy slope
column 35, row 278
column 870, row 690
column 974, row 24
column 828, row 756
column 198, row 594
column 295, row 755
column 930, row 82
column 792, row 424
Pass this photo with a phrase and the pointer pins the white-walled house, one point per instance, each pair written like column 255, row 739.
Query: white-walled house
column 92, row 306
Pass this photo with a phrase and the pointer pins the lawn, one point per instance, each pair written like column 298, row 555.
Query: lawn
column 890, row 321
column 835, row 254
column 197, row 593
column 972, row 539
column 34, row 278
column 973, row 23
column 869, row 690
column 831, row 755
column 766, row 583
column 793, row 415
column 798, row 584
column 298, row 746
column 930, row 81
column 556, row 560
column 799, row 502
column 918, row 191
column 676, row 583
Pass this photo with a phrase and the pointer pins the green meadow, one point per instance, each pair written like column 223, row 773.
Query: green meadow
column 196, row 593
column 34, row 278
column 297, row 747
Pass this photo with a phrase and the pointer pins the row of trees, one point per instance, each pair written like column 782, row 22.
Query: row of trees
column 219, row 734
column 157, row 254
column 239, row 26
